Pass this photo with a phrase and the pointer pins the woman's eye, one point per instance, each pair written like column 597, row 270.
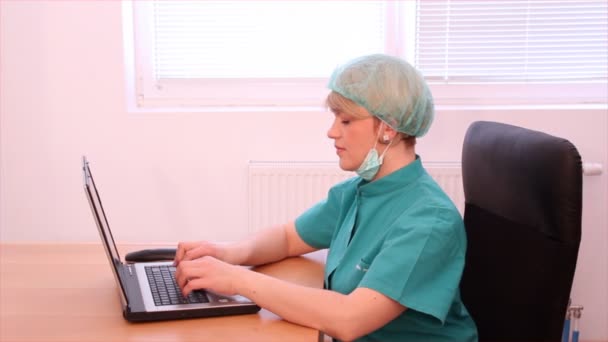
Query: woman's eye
column 345, row 122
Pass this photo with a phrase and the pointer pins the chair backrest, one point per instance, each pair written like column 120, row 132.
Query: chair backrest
column 523, row 208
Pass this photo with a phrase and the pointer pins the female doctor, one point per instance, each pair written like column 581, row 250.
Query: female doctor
column 396, row 241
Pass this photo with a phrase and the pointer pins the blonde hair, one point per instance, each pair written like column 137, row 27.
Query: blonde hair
column 340, row 104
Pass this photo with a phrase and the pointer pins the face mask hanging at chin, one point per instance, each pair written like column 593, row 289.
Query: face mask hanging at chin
column 372, row 162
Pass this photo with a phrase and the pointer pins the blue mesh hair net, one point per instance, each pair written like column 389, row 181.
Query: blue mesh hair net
column 388, row 88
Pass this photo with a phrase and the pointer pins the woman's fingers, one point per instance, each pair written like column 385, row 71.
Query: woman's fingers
column 193, row 284
column 182, row 248
column 198, row 251
column 191, row 250
column 184, row 272
column 208, row 273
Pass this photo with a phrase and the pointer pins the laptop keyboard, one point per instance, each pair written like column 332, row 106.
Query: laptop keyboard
column 165, row 290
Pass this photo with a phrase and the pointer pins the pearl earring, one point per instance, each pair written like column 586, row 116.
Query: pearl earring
column 385, row 139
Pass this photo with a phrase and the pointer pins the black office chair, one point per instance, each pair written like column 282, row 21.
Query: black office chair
column 523, row 204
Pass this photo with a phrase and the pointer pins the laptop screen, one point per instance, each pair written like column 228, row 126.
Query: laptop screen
column 102, row 224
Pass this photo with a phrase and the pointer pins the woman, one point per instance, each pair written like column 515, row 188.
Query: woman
column 396, row 242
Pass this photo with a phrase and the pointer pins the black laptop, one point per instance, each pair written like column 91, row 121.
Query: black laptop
column 148, row 290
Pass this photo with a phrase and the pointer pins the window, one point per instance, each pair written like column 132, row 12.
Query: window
column 514, row 51
column 216, row 53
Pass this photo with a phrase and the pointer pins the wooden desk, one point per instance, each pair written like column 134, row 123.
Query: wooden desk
column 66, row 292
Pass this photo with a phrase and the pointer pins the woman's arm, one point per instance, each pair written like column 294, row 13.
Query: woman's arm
column 272, row 245
column 345, row 317
column 267, row 246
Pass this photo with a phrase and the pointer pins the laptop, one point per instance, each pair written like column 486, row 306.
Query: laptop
column 148, row 291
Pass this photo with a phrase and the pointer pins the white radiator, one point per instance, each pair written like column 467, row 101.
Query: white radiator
column 280, row 191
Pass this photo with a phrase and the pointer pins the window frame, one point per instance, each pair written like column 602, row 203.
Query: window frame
column 146, row 93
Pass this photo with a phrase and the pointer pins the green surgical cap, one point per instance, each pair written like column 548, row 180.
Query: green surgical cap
column 388, row 88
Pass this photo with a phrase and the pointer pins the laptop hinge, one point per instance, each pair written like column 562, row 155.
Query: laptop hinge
column 123, row 286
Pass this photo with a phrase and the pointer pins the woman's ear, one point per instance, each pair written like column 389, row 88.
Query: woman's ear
column 388, row 134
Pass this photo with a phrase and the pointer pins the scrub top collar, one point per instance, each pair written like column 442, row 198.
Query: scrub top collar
column 393, row 181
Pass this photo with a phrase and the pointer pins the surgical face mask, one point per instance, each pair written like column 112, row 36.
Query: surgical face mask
column 371, row 164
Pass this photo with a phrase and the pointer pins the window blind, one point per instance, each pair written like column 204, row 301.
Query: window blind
column 262, row 39
column 512, row 41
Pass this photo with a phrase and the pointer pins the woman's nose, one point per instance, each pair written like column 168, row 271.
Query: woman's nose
column 332, row 132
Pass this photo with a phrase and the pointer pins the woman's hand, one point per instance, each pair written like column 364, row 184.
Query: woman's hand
column 208, row 273
column 268, row 245
column 187, row 251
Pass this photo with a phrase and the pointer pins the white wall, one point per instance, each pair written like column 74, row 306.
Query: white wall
column 166, row 177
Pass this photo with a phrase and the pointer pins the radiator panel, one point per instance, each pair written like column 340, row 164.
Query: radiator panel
column 280, row 191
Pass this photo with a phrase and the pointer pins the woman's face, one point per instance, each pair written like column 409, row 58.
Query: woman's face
column 353, row 138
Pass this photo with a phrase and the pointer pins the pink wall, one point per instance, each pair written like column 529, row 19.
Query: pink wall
column 166, row 177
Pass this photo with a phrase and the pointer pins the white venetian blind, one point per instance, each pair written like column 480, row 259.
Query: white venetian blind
column 262, row 39
column 512, row 41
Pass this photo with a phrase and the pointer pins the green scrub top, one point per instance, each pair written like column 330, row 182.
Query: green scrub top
column 402, row 236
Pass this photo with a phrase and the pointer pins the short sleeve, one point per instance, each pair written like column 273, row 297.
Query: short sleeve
column 316, row 225
column 421, row 261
